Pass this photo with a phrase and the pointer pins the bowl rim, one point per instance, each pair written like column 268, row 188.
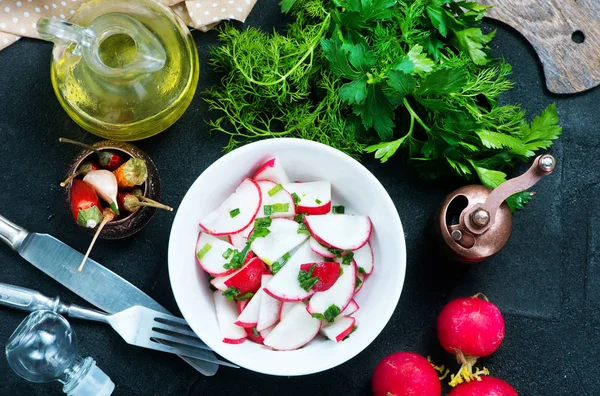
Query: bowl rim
column 386, row 313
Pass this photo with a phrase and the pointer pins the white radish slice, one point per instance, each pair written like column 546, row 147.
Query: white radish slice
column 280, row 200
column 265, row 333
column 315, row 197
column 282, row 238
column 219, row 282
column 239, row 240
column 344, row 232
column 246, row 199
column 320, row 249
column 296, row 330
column 339, row 294
column 339, row 329
column 249, row 316
column 269, row 308
column 364, row 259
column 285, row 285
column 362, row 278
column 286, row 307
column 209, row 253
column 226, row 314
column 350, row 309
column 273, row 171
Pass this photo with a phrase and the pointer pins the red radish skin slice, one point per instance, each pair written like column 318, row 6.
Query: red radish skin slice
column 219, row 282
column 315, row 197
column 226, row 315
column 283, row 237
column 273, row 171
column 285, row 308
column 249, row 316
column 365, row 259
column 327, row 272
column 241, row 305
column 270, row 308
column 351, row 308
column 296, row 330
column 246, row 199
column 285, row 286
column 320, row 249
column 362, row 278
column 344, row 232
column 212, row 260
column 248, row 279
column 339, row 329
column 340, row 294
column 282, row 197
column 259, row 339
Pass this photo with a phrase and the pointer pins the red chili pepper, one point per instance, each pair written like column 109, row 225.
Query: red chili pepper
column 107, row 158
column 85, row 205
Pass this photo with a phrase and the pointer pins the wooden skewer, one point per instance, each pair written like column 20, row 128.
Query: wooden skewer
column 108, row 216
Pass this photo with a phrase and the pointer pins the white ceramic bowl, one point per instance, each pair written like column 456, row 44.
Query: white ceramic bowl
column 353, row 186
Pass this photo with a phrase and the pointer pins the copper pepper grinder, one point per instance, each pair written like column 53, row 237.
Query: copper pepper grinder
column 474, row 221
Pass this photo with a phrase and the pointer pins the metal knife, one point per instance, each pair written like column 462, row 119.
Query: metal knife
column 96, row 284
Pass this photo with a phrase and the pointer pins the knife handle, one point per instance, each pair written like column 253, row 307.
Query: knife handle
column 11, row 234
column 26, row 299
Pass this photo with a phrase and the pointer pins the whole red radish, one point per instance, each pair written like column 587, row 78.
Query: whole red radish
column 405, row 374
column 487, row 386
column 469, row 328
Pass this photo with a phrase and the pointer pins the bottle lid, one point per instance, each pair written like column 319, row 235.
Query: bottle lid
column 94, row 383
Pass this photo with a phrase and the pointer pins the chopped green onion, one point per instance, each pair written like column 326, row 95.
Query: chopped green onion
column 341, row 271
column 302, row 229
column 203, row 251
column 348, row 336
column 255, row 332
column 357, row 282
column 275, row 190
column 278, row 207
column 362, row 270
column 336, row 252
column 231, row 293
column 299, row 218
column 318, row 201
column 227, row 253
column 277, row 265
column 306, row 279
column 340, row 209
column 245, row 296
column 331, row 312
column 296, row 198
column 262, row 223
column 348, row 257
column 260, row 232
column 318, row 316
column 234, row 212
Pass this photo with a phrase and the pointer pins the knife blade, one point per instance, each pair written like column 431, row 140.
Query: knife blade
column 60, row 262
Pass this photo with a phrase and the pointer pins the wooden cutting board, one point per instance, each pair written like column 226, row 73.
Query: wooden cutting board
column 564, row 33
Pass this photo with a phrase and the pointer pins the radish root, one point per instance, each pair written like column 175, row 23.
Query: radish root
column 467, row 372
column 483, row 296
column 440, row 369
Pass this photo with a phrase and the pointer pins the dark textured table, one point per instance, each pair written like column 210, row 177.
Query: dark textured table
column 546, row 281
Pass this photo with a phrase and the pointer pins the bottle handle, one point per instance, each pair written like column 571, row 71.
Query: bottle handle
column 64, row 33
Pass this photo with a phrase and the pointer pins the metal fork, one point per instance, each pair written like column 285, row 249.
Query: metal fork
column 137, row 325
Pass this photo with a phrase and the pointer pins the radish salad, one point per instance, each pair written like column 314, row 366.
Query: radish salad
column 285, row 264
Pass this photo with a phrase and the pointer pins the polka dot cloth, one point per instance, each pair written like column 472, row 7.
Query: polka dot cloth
column 18, row 17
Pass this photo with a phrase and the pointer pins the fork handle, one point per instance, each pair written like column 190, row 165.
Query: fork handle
column 75, row 311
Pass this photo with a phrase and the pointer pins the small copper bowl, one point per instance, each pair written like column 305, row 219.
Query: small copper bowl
column 127, row 224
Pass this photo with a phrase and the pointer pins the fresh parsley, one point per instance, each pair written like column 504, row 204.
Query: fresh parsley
column 383, row 76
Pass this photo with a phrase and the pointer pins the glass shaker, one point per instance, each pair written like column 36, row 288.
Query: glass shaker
column 44, row 348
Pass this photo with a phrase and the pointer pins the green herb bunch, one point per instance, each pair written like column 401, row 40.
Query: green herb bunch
column 380, row 76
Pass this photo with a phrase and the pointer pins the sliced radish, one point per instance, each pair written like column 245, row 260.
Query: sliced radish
column 239, row 240
column 362, row 278
column 295, row 331
column 327, row 273
column 320, row 249
column 285, row 308
column 339, row 295
column 273, row 171
column 314, row 197
column 282, row 238
column 285, row 285
column 210, row 252
column 344, row 232
column 219, row 282
column 339, row 329
column 226, row 315
column 249, row 316
column 241, row 305
column 248, row 278
column 364, row 259
column 254, row 335
column 245, row 201
column 350, row 309
column 265, row 333
column 279, row 204
column 269, row 308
